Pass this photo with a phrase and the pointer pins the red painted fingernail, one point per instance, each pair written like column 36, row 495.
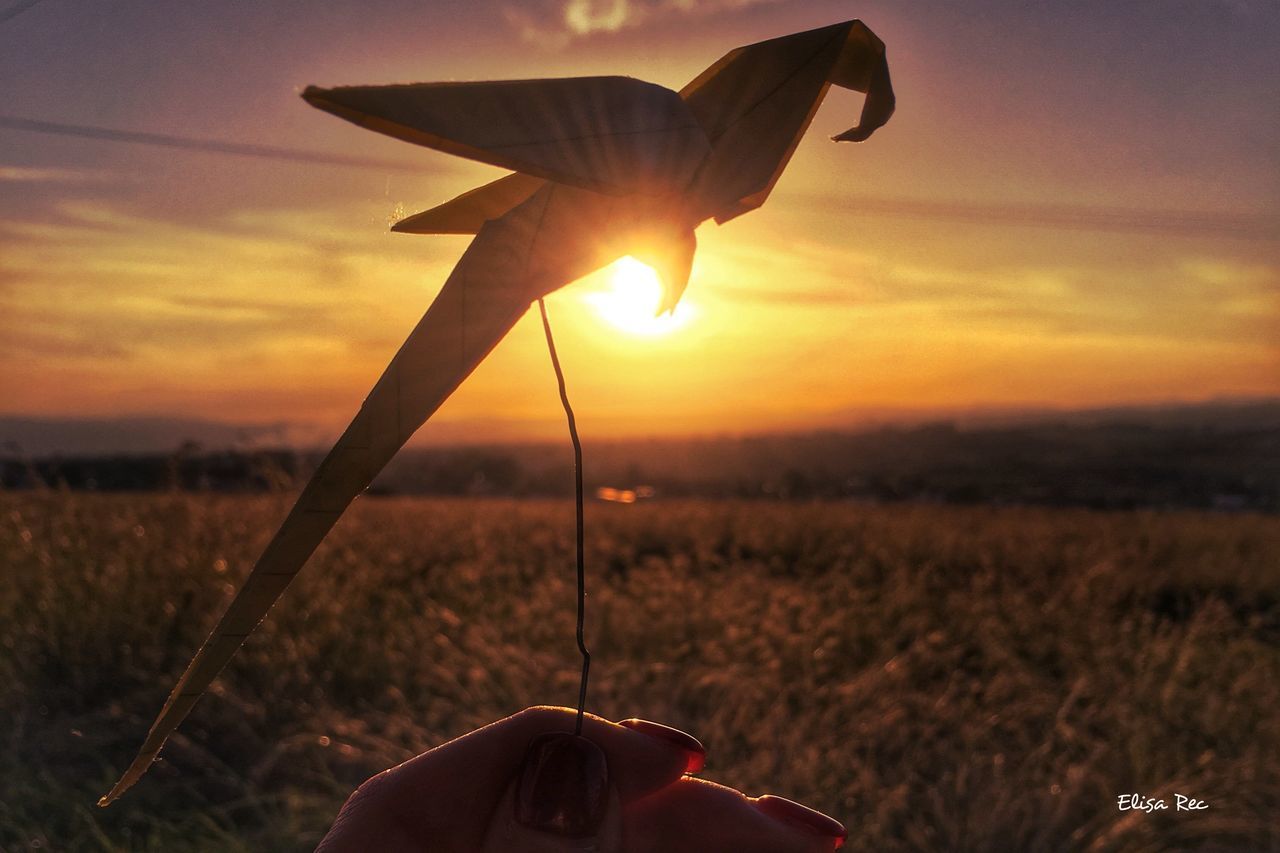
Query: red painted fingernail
column 803, row 817
column 695, row 752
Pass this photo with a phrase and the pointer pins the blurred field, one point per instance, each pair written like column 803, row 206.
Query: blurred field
column 939, row 678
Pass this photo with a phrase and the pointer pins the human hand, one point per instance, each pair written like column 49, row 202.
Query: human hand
column 527, row 785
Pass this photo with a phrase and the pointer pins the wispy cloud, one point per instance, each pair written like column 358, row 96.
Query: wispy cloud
column 159, row 306
column 35, row 345
column 556, row 22
column 1199, row 223
column 38, row 175
column 1185, row 299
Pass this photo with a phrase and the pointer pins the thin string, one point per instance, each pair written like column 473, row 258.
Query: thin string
column 577, row 484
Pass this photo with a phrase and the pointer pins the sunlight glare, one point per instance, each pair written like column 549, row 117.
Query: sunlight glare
column 633, row 296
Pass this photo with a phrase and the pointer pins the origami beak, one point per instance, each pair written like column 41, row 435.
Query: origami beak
column 672, row 259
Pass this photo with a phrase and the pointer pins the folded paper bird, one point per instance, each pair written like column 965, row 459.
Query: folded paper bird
column 603, row 167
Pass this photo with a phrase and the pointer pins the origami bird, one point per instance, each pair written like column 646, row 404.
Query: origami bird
column 603, row 167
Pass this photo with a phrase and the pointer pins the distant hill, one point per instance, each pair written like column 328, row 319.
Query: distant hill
column 79, row 437
column 1213, row 455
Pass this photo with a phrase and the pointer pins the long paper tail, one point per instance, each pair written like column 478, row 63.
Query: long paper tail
column 481, row 301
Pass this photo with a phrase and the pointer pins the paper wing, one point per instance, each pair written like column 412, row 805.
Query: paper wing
column 471, row 210
column 613, row 135
column 484, row 297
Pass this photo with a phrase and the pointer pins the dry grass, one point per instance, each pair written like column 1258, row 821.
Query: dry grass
column 941, row 679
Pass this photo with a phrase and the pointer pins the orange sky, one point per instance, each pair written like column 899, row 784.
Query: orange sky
column 148, row 281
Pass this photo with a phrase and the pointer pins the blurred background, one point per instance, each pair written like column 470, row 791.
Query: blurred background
column 945, row 501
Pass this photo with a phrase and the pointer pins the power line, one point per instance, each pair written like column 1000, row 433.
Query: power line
column 207, row 146
column 1062, row 217
column 16, row 9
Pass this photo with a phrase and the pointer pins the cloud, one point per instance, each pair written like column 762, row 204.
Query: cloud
column 32, row 346
column 1059, row 217
column 38, row 175
column 246, row 290
column 557, row 22
column 1192, row 300
column 588, row 16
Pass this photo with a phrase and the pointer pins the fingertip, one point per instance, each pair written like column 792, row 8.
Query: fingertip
column 695, row 753
column 802, row 817
column 692, row 815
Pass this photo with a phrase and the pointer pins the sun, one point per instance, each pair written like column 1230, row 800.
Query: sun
column 632, row 299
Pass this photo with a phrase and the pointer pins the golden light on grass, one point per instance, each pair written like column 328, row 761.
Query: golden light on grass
column 719, row 588
column 630, row 301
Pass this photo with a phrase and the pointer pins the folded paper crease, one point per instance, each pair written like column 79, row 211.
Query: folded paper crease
column 602, row 167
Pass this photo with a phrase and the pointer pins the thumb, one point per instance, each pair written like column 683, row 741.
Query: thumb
column 562, row 800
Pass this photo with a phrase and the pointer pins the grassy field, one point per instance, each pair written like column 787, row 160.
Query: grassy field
column 938, row 678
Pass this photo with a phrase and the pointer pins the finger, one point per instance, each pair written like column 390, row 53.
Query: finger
column 695, row 752
column 696, row 816
column 522, row 822
column 428, row 795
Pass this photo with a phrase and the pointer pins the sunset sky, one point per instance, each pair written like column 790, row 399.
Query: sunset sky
column 1075, row 205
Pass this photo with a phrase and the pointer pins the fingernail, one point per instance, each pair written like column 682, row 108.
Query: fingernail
column 695, row 752
column 563, row 787
column 803, row 817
